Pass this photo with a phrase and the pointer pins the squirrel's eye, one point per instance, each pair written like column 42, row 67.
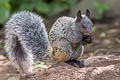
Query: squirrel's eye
column 83, row 27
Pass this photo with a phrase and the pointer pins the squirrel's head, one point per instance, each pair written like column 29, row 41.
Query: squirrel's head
column 85, row 25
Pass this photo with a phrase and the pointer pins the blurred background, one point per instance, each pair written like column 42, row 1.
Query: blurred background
column 105, row 14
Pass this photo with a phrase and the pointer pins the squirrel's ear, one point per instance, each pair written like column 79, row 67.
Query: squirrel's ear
column 79, row 17
column 88, row 13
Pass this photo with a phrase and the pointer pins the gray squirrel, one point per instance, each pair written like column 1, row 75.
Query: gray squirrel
column 68, row 35
column 26, row 39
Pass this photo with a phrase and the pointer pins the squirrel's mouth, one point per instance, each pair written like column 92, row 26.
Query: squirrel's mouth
column 87, row 40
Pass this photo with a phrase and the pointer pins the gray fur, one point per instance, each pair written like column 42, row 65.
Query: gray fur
column 67, row 32
column 26, row 39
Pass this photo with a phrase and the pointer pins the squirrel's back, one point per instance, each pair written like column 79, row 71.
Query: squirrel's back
column 61, row 27
column 65, row 27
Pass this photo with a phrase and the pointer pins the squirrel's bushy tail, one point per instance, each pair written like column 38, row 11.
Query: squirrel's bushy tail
column 26, row 36
column 16, row 53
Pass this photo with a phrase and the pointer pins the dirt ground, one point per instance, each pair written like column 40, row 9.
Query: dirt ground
column 101, row 58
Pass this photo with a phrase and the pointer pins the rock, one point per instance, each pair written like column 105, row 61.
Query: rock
column 63, row 71
column 101, row 61
column 106, row 42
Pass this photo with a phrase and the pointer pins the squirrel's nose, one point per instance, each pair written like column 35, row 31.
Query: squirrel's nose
column 89, row 40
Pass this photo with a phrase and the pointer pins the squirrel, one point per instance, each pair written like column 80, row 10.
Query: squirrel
column 26, row 39
column 68, row 36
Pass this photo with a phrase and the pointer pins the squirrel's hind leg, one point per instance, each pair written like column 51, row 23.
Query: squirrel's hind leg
column 62, row 50
column 63, row 53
